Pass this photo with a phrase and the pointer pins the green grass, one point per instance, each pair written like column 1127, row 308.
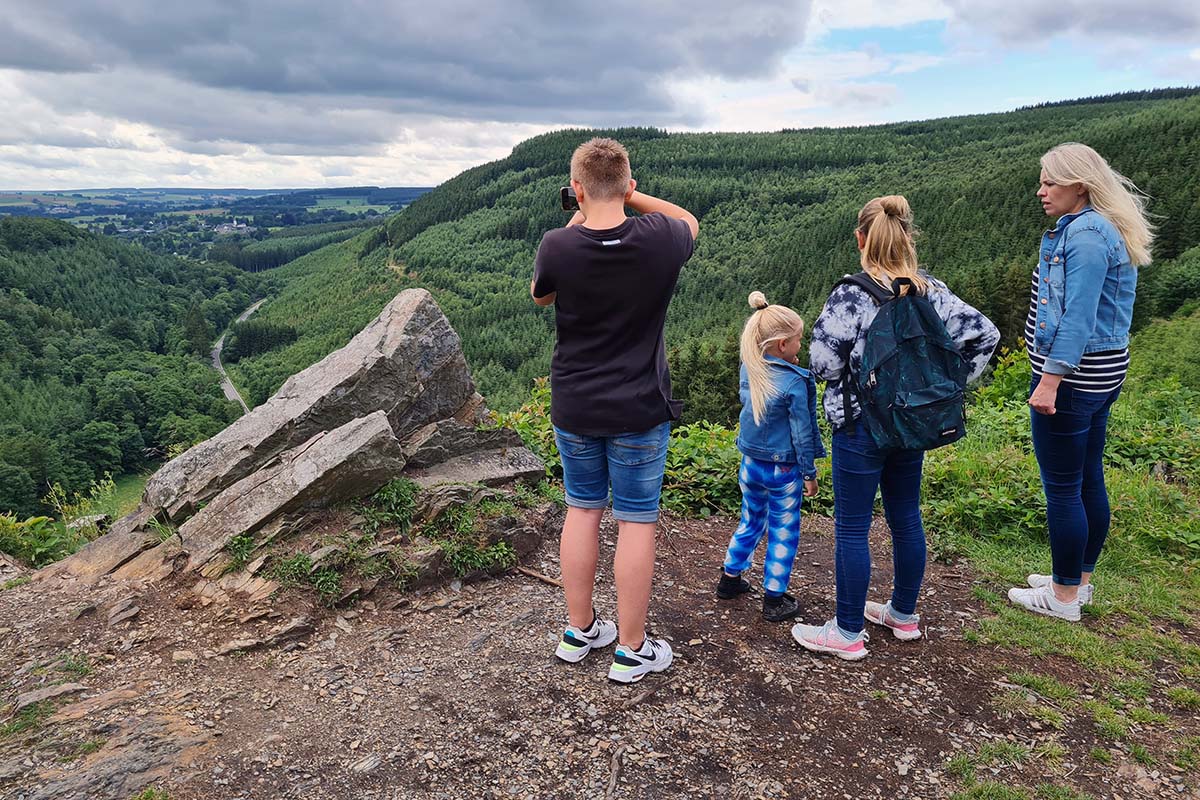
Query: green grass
column 30, row 718
column 76, row 665
column 1101, row 755
column 291, row 571
column 13, row 583
column 239, row 548
column 1051, row 752
column 1048, row 687
column 1049, row 791
column 152, row 794
column 1184, row 697
column 990, row 790
column 1187, row 757
column 1110, row 723
column 1018, row 702
column 127, row 493
column 1146, row 716
column 1142, row 755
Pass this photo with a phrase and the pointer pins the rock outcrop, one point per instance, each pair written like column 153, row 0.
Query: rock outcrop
column 397, row 400
column 408, row 363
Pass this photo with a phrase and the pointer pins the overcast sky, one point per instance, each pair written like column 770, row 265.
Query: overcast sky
column 282, row 93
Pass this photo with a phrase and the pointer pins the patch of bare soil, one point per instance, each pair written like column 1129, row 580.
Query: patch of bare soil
column 454, row 692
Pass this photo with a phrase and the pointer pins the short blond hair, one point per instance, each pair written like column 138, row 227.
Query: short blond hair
column 602, row 166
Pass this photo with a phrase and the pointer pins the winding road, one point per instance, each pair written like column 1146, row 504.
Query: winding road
column 227, row 385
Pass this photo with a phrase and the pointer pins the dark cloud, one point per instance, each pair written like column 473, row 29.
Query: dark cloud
column 1029, row 21
column 320, row 75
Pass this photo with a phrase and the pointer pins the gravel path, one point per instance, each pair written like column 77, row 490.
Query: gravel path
column 454, row 693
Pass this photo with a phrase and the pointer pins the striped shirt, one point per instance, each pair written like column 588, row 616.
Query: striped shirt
column 1098, row 372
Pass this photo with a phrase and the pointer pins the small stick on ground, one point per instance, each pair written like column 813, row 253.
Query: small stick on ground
column 540, row 577
column 646, row 695
column 614, row 771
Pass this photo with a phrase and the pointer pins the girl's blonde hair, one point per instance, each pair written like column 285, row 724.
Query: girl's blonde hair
column 888, row 252
column 1109, row 192
column 768, row 324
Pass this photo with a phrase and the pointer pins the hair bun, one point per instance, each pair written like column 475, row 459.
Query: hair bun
column 894, row 205
column 758, row 301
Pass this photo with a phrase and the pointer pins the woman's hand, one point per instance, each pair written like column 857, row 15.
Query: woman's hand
column 810, row 488
column 1044, row 395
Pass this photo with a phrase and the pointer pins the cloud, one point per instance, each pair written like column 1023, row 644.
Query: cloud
column 501, row 61
column 279, row 92
column 1024, row 22
column 830, row 15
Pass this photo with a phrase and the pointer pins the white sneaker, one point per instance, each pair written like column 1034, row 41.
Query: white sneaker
column 828, row 638
column 1041, row 600
column 883, row 614
column 1085, row 590
column 629, row 665
column 576, row 643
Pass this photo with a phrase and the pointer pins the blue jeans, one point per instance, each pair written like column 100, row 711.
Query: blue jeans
column 631, row 463
column 771, row 498
column 859, row 469
column 1069, row 445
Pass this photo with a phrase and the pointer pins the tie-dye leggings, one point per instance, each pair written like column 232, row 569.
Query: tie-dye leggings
column 771, row 497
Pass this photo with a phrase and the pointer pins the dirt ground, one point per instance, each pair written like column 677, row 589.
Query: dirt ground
column 455, row 693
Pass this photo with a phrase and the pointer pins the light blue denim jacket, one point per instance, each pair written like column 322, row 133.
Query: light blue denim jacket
column 1086, row 287
column 788, row 433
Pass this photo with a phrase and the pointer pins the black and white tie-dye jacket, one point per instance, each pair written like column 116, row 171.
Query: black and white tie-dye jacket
column 842, row 329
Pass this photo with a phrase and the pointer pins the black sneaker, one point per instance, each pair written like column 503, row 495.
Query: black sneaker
column 731, row 586
column 778, row 609
column 630, row 665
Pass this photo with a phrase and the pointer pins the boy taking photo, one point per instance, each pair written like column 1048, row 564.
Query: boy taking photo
column 610, row 278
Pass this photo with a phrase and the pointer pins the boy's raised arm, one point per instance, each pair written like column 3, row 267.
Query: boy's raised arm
column 647, row 204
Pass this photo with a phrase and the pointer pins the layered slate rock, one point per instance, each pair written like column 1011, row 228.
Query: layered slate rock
column 350, row 461
column 397, row 400
column 407, row 362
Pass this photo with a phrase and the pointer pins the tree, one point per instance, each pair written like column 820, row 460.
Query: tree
column 18, row 494
column 196, row 329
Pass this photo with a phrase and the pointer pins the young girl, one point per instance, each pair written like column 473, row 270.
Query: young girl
column 778, row 440
column 885, row 241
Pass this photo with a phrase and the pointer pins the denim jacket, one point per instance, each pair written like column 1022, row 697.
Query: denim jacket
column 1086, row 287
column 788, row 433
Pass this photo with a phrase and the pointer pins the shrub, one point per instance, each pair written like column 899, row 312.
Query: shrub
column 37, row 541
column 392, row 505
column 701, row 475
column 532, row 422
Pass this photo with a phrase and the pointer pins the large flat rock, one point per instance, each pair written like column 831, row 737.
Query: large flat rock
column 407, row 362
column 350, row 461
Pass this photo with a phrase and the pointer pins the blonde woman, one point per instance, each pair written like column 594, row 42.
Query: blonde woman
column 885, row 240
column 779, row 440
column 1077, row 337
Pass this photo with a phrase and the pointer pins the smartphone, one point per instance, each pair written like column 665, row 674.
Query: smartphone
column 566, row 196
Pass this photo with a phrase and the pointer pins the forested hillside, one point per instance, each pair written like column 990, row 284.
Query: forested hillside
column 777, row 211
column 100, row 367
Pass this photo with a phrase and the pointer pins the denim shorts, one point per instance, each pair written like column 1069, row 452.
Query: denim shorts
column 631, row 463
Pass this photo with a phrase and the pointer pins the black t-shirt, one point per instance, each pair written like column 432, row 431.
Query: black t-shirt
column 609, row 373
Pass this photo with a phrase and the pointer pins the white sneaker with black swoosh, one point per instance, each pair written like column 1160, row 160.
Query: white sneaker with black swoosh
column 576, row 643
column 630, row 665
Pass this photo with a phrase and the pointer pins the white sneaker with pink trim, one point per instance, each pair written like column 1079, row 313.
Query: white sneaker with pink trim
column 828, row 638
column 882, row 614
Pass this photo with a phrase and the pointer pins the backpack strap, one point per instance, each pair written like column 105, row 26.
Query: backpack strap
column 869, row 285
column 880, row 296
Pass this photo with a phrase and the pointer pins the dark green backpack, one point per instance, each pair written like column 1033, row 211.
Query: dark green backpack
column 911, row 385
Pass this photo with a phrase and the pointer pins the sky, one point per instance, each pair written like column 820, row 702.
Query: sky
column 291, row 93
